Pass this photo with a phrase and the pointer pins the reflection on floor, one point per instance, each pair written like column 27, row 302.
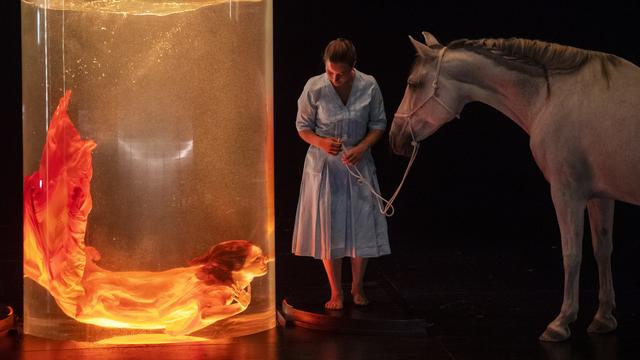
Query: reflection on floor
column 476, row 306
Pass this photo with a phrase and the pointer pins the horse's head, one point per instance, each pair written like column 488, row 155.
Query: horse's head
column 430, row 100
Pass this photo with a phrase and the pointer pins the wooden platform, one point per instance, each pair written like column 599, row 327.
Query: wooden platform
column 386, row 314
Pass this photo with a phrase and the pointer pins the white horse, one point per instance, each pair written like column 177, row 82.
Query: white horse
column 581, row 110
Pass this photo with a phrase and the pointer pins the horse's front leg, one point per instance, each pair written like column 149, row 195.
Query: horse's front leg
column 570, row 213
column 601, row 221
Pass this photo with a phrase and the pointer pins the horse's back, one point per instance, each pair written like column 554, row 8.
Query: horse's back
column 591, row 123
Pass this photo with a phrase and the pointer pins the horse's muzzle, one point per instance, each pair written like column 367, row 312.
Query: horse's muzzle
column 400, row 145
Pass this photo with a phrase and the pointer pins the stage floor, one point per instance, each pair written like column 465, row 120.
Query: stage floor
column 478, row 306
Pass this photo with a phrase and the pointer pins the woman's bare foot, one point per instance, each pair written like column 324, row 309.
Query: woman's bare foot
column 335, row 303
column 359, row 298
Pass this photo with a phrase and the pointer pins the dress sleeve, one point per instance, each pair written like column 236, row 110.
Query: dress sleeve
column 377, row 117
column 306, row 117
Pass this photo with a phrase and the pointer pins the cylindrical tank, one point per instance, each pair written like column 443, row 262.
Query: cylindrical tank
column 172, row 101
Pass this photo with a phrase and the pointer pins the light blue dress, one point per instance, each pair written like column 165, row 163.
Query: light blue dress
column 336, row 216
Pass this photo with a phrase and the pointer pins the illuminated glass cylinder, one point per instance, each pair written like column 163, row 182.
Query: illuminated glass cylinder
column 177, row 97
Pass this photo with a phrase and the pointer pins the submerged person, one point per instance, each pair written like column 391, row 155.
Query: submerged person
column 340, row 115
column 182, row 300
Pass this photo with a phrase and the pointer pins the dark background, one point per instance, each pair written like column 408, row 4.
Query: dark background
column 475, row 213
column 474, row 189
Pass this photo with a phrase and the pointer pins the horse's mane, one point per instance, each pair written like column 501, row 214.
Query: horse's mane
column 535, row 57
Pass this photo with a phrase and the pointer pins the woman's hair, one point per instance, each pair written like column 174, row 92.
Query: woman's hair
column 340, row 50
column 221, row 260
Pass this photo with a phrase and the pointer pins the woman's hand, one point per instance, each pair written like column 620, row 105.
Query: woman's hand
column 353, row 155
column 242, row 296
column 330, row 145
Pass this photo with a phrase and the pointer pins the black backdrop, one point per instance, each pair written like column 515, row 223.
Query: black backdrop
column 474, row 186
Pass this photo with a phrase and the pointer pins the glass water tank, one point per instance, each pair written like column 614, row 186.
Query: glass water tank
column 148, row 164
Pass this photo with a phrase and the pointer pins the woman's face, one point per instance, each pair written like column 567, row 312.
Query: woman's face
column 339, row 73
column 256, row 263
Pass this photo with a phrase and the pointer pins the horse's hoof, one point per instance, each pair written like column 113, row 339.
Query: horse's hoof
column 555, row 334
column 603, row 325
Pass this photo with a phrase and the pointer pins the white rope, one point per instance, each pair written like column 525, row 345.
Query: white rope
column 388, row 209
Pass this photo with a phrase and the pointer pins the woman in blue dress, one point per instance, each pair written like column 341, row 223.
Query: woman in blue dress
column 340, row 115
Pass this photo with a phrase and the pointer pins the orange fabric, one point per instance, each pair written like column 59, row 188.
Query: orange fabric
column 57, row 202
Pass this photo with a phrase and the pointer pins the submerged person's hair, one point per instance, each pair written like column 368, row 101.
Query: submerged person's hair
column 340, row 50
column 221, row 260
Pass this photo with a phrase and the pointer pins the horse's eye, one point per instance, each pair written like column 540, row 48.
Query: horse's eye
column 413, row 85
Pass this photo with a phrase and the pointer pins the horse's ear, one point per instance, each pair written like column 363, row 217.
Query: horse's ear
column 421, row 48
column 429, row 39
